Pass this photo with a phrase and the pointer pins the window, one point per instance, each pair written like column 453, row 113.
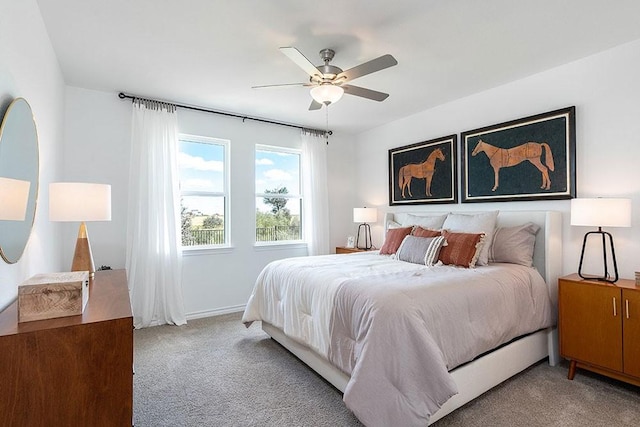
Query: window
column 204, row 191
column 278, row 195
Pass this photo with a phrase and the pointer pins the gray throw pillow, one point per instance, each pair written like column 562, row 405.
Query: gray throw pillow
column 420, row 250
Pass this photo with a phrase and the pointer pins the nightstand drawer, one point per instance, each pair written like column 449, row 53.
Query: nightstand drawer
column 345, row 250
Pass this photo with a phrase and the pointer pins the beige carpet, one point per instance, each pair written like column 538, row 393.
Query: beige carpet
column 215, row 372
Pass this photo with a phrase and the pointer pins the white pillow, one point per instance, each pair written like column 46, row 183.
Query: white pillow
column 430, row 221
column 474, row 223
column 514, row 244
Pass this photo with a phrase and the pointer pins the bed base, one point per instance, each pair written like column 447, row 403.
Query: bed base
column 473, row 378
column 491, row 369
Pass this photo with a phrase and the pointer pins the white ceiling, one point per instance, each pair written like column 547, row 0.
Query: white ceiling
column 210, row 52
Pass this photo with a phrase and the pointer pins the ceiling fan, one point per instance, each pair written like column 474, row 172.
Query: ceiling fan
column 328, row 82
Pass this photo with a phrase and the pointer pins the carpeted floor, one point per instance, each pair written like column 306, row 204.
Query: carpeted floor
column 215, row 372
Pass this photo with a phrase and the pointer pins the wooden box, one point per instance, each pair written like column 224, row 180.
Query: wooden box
column 45, row 296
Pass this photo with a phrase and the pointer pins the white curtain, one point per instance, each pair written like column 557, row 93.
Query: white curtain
column 315, row 193
column 154, row 258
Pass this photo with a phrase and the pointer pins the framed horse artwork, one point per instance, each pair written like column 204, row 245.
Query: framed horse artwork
column 424, row 173
column 526, row 159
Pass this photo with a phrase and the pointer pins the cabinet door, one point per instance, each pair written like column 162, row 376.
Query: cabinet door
column 590, row 323
column 631, row 331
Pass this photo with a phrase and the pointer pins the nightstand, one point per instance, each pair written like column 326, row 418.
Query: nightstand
column 599, row 327
column 345, row 250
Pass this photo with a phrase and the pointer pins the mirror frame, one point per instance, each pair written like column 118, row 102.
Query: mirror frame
column 19, row 159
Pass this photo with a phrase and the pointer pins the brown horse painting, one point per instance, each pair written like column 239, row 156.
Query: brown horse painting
column 507, row 157
column 422, row 170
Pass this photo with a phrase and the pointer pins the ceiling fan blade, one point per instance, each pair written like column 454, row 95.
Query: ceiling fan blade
column 385, row 61
column 315, row 105
column 365, row 93
column 301, row 61
column 281, row 85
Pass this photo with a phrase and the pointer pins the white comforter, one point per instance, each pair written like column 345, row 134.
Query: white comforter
column 330, row 303
column 297, row 294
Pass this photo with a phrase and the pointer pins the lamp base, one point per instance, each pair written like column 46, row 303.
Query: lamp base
column 605, row 277
column 367, row 237
column 82, row 257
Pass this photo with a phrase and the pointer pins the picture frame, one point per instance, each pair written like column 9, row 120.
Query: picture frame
column 533, row 158
column 351, row 242
column 424, row 173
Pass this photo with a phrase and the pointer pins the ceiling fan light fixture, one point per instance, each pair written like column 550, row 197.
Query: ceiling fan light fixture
column 327, row 93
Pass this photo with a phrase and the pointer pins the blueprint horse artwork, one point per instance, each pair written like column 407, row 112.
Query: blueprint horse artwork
column 422, row 170
column 507, row 157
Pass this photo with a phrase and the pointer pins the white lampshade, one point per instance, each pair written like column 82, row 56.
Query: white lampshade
column 14, row 194
column 365, row 215
column 601, row 212
column 76, row 201
column 327, row 93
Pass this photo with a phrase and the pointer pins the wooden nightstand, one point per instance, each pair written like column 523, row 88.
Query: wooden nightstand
column 599, row 327
column 345, row 250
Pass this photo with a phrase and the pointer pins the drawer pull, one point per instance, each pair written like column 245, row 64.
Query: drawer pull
column 626, row 304
column 614, row 307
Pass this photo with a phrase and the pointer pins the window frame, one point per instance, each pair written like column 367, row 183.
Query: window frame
column 300, row 196
column 225, row 193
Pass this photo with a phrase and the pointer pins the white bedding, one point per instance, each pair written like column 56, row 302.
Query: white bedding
column 297, row 294
column 455, row 313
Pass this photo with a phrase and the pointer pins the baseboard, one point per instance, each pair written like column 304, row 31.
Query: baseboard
column 215, row 312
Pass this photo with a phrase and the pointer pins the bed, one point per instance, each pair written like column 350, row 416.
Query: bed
column 331, row 339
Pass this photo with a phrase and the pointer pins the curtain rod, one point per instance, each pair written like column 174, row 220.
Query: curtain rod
column 122, row 95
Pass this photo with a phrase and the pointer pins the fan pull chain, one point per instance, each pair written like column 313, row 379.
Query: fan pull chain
column 326, row 134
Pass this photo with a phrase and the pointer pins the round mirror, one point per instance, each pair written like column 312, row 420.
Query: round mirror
column 18, row 161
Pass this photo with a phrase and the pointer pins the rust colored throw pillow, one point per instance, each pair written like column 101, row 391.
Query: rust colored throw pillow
column 461, row 249
column 395, row 236
column 425, row 232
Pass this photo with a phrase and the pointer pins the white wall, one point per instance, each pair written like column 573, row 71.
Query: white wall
column 97, row 135
column 29, row 69
column 604, row 88
column 98, row 132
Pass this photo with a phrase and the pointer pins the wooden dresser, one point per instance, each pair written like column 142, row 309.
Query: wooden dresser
column 70, row 371
column 345, row 250
column 599, row 326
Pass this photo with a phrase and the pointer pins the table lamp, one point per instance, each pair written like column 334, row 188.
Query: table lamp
column 75, row 201
column 601, row 212
column 14, row 194
column 364, row 216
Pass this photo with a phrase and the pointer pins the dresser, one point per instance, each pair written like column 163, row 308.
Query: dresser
column 599, row 326
column 70, row 371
